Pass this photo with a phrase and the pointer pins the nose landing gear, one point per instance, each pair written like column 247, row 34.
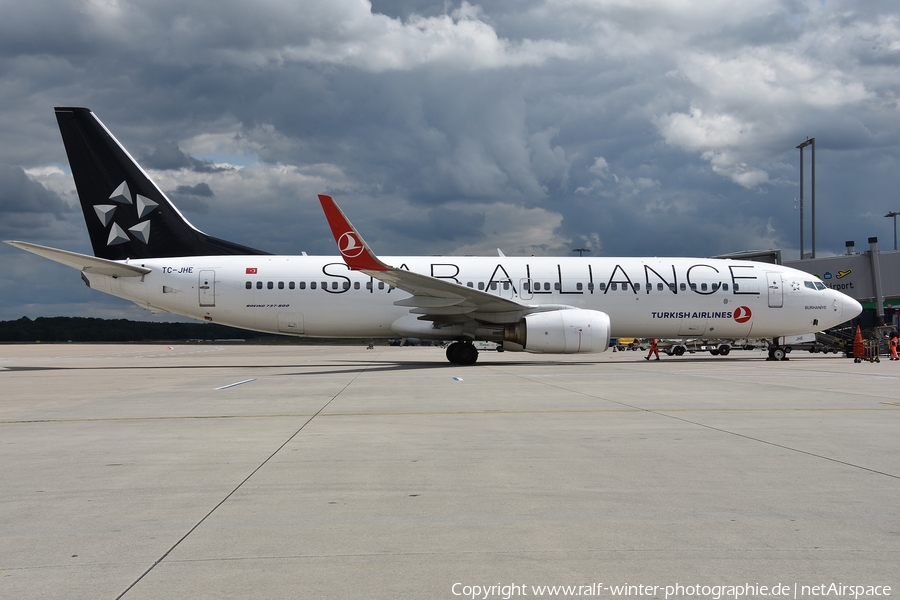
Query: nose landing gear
column 777, row 352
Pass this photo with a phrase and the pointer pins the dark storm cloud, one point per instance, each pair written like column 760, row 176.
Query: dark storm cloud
column 440, row 224
column 191, row 198
column 167, row 155
column 633, row 128
column 201, row 189
column 25, row 205
column 19, row 194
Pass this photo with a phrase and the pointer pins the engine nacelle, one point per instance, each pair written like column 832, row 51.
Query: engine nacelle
column 566, row 331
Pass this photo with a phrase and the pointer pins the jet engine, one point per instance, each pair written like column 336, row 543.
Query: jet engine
column 559, row 332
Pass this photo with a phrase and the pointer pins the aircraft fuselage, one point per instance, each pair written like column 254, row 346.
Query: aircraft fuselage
column 644, row 297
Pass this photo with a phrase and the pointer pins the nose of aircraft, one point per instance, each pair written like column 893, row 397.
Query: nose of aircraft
column 850, row 308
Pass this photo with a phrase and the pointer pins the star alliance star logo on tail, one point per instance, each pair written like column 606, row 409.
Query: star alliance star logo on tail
column 106, row 213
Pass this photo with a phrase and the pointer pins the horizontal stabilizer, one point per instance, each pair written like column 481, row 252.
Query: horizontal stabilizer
column 82, row 262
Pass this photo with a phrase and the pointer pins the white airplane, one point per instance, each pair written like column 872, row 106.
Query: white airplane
column 148, row 253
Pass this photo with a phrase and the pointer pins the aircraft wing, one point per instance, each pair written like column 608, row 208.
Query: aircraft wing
column 435, row 299
column 82, row 262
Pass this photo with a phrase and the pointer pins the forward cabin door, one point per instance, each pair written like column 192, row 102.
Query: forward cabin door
column 207, row 288
column 776, row 294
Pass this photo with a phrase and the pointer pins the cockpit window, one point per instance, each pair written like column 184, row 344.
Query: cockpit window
column 820, row 285
column 810, row 285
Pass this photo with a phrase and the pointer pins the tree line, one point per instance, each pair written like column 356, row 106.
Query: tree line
column 89, row 329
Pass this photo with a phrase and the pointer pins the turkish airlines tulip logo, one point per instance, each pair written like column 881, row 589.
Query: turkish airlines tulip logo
column 349, row 245
column 742, row 314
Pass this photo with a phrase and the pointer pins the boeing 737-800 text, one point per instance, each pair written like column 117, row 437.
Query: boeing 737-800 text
column 147, row 252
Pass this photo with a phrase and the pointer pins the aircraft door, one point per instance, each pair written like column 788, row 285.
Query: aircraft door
column 290, row 322
column 776, row 294
column 503, row 288
column 692, row 327
column 207, row 288
column 525, row 292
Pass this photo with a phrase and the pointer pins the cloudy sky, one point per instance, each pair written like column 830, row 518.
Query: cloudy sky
column 661, row 127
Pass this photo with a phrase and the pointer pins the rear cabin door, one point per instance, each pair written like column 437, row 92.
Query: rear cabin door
column 207, row 288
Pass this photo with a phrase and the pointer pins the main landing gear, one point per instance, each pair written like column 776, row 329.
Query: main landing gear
column 462, row 353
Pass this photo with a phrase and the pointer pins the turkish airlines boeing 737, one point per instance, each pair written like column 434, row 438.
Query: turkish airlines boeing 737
column 147, row 252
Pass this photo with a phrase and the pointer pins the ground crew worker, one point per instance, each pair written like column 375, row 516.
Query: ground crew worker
column 894, row 341
column 653, row 349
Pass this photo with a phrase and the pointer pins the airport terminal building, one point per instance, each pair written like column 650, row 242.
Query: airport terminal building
column 871, row 277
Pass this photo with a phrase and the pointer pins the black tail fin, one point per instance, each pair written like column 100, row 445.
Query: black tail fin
column 127, row 216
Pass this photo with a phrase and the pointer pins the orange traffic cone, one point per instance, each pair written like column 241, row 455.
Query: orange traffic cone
column 859, row 348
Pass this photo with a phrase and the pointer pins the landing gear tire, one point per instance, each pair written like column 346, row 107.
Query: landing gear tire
column 462, row 353
column 777, row 354
column 714, row 351
column 724, row 350
column 678, row 351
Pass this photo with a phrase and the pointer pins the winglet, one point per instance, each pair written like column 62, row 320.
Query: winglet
column 353, row 247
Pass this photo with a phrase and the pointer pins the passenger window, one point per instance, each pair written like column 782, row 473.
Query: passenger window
column 355, row 285
column 659, row 287
column 546, row 286
column 324, row 285
column 526, row 287
column 302, row 285
column 578, row 286
column 481, row 285
column 380, row 285
column 494, row 286
column 715, row 286
column 694, row 287
column 280, row 285
column 346, row 285
column 602, row 287
column 368, row 285
column 249, row 285
column 312, row 285
column 591, row 286
column 291, row 285
column 737, row 287
column 614, row 286
column 636, row 286
column 470, row 284
column 683, row 287
column 259, row 285
column 505, row 285
column 270, row 285
column 724, row 287
column 702, row 287
column 556, row 286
